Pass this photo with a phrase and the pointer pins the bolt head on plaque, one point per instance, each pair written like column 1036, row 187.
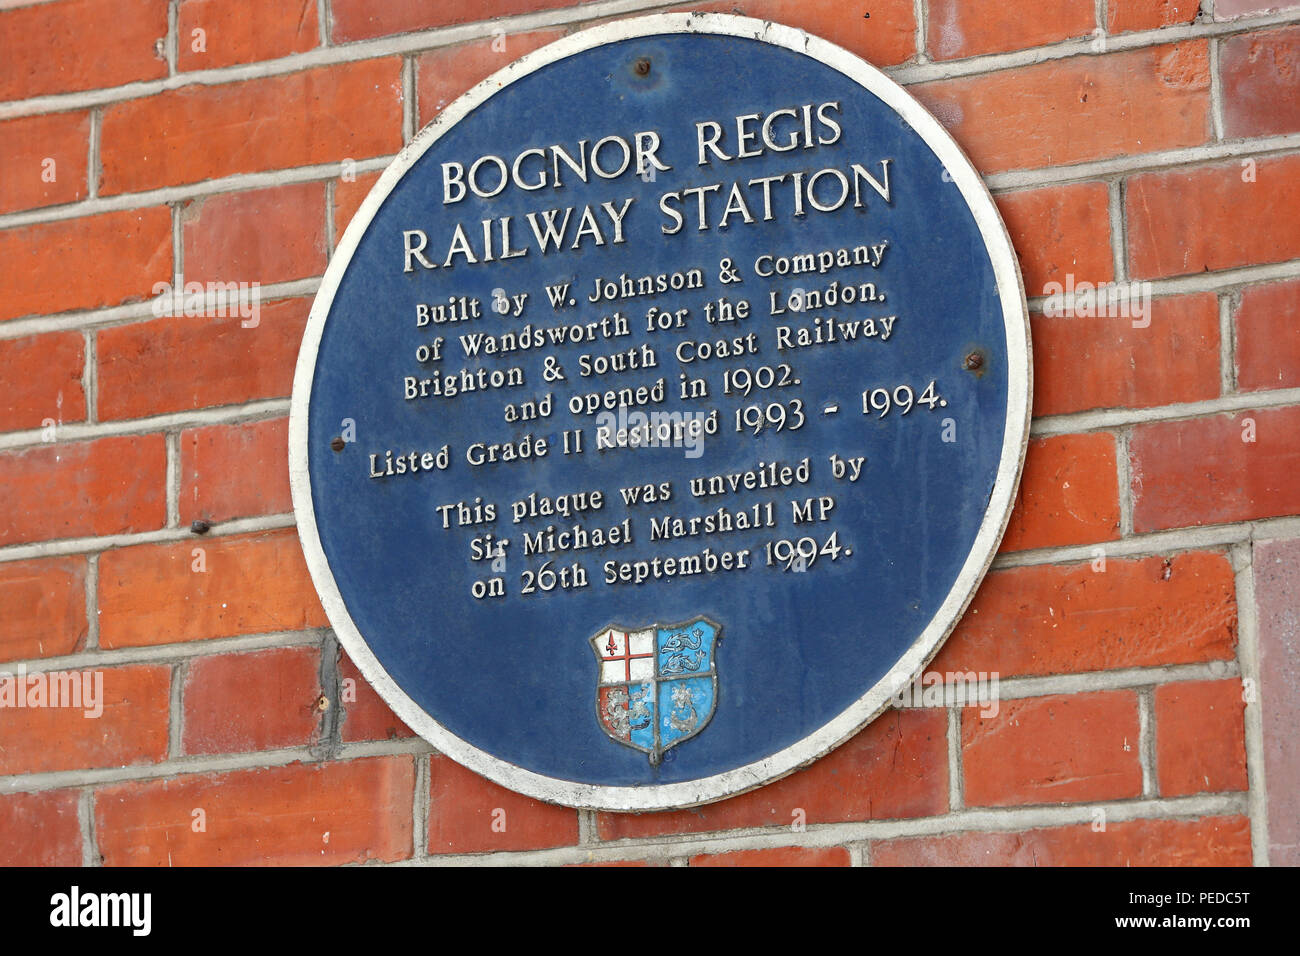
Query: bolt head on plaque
column 660, row 411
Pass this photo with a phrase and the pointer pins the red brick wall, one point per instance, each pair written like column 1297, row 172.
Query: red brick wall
column 1142, row 614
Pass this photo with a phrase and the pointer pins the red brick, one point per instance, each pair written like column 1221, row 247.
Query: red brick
column 1078, row 109
column 897, row 767
column 886, row 38
column 256, row 701
column 1054, row 749
column 234, row 471
column 1084, row 362
column 85, row 263
column 243, row 31
column 960, row 28
column 80, row 45
column 42, row 376
column 1213, row 217
column 177, row 363
column 1231, row 9
column 443, row 74
column 107, row 486
column 365, row 715
column 264, row 236
column 1267, row 338
column 348, row 197
column 1276, row 570
column 299, row 815
column 362, row 19
column 1200, row 733
column 27, row 147
column 42, row 608
column 150, row 593
column 322, row 115
column 1200, row 471
column 1212, row 841
column 776, row 856
column 1068, row 494
column 1123, row 16
column 1050, row 619
column 41, row 829
column 1260, row 74
column 1058, row 232
column 131, row 729
column 470, row 814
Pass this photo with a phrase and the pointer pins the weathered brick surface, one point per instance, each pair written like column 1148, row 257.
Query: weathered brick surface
column 1210, row 470
column 1213, row 841
column 1277, row 582
column 44, row 604
column 471, row 814
column 1222, row 216
column 182, row 362
column 1200, row 737
column 234, row 471
column 1055, row 749
column 119, row 256
column 256, row 701
column 106, row 486
column 1268, row 337
column 42, row 380
column 1105, row 614
column 959, row 28
column 41, row 829
column 240, row 31
column 203, row 588
column 1170, row 355
column 347, row 812
column 44, row 159
column 1081, row 108
column 894, row 769
column 1068, row 494
column 122, row 722
column 1060, row 232
column 262, row 236
column 326, row 114
column 776, row 856
column 84, row 45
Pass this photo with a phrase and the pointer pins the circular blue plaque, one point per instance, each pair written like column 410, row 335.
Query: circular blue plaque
column 660, row 411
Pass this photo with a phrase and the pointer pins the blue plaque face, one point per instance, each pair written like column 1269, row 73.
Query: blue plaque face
column 660, row 411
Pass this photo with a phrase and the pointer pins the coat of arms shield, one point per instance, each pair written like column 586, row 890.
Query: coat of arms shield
column 657, row 686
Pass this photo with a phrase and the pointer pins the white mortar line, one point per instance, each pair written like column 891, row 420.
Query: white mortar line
column 956, row 798
column 665, row 848
column 1108, row 419
column 921, row 13
column 1158, row 161
column 377, row 48
column 420, row 808
column 92, row 154
column 166, row 195
column 89, row 376
column 1216, row 91
column 43, row 549
column 331, row 186
column 1140, row 39
column 324, row 22
column 1228, row 302
column 1248, row 658
column 409, row 121
column 92, row 606
column 171, row 44
column 211, row 415
column 1146, row 742
column 176, row 711
column 86, row 824
column 1124, row 481
column 1118, row 226
column 94, row 658
column 173, row 479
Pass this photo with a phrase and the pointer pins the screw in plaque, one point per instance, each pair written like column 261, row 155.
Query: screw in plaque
column 642, row 66
column 974, row 361
column 337, row 443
